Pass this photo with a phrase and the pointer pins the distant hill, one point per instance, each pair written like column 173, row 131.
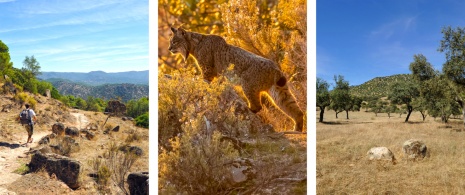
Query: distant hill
column 107, row 91
column 95, row 78
column 379, row 86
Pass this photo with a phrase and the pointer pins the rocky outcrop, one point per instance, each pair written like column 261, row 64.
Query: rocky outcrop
column 65, row 169
column 116, row 108
column 381, row 153
column 138, row 183
column 415, row 149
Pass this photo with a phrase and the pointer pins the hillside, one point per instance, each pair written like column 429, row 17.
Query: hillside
column 106, row 91
column 95, row 78
column 91, row 144
column 379, row 86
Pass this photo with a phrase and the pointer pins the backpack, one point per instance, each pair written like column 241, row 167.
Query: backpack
column 24, row 117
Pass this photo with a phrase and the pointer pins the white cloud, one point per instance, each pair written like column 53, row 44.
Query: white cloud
column 395, row 27
column 6, row 1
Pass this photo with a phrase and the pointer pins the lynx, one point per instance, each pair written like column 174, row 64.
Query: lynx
column 257, row 74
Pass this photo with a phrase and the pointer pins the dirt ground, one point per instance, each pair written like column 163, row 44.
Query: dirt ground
column 343, row 167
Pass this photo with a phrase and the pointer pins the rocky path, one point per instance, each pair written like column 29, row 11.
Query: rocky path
column 10, row 155
column 12, row 152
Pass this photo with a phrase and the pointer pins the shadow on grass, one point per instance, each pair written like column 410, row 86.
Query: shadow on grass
column 342, row 123
column 11, row 146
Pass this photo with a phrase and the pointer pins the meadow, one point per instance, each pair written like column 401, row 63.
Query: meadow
column 343, row 167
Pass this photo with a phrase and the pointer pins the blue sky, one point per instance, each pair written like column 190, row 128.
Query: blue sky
column 77, row 35
column 364, row 39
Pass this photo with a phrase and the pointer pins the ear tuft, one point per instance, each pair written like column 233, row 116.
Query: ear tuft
column 173, row 30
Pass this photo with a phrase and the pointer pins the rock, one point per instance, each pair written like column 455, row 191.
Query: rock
column 115, row 107
column 89, row 135
column 415, row 149
column 116, row 129
column 134, row 149
column 92, row 126
column 46, row 139
column 47, row 93
column 72, row 131
column 242, row 170
column 381, row 153
column 65, row 169
column 58, row 129
column 138, row 183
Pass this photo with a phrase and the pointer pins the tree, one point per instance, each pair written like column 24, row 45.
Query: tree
column 340, row 96
column 322, row 96
column 404, row 93
column 453, row 45
column 421, row 69
column 31, row 67
column 5, row 64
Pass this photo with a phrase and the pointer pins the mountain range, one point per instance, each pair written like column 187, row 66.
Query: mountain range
column 95, row 78
column 99, row 84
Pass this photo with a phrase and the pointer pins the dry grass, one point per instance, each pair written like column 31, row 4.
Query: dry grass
column 343, row 168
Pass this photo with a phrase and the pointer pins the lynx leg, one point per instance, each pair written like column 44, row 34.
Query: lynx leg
column 254, row 99
column 284, row 99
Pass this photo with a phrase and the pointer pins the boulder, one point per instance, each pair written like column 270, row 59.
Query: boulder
column 72, row 131
column 65, row 169
column 415, row 149
column 138, row 183
column 381, row 153
column 58, row 129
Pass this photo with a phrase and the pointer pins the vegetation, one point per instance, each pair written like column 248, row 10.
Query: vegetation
column 194, row 116
column 322, row 96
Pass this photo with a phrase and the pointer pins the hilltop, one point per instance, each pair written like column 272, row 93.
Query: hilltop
column 85, row 149
column 95, row 78
column 379, row 86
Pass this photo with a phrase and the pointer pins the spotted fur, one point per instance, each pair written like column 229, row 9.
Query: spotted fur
column 257, row 74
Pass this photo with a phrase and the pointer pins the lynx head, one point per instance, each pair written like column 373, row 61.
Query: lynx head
column 179, row 42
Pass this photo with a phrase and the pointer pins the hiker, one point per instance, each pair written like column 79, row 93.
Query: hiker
column 25, row 117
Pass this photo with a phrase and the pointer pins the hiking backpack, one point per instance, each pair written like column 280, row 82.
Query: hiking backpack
column 24, row 117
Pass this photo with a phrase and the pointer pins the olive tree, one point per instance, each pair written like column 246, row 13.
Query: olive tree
column 322, row 96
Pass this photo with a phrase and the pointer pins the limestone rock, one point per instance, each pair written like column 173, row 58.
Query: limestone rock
column 138, row 183
column 381, row 153
column 415, row 149
column 65, row 169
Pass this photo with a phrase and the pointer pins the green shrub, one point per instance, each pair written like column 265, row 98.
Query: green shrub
column 143, row 120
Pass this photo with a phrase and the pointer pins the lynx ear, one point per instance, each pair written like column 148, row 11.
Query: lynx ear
column 183, row 32
column 173, row 30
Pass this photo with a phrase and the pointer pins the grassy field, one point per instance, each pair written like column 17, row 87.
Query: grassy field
column 343, row 167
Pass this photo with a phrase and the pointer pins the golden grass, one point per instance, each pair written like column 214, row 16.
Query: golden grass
column 343, row 167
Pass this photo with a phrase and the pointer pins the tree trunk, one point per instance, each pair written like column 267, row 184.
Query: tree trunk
column 322, row 111
column 410, row 109
column 347, row 114
column 337, row 113
column 423, row 114
column 462, row 105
